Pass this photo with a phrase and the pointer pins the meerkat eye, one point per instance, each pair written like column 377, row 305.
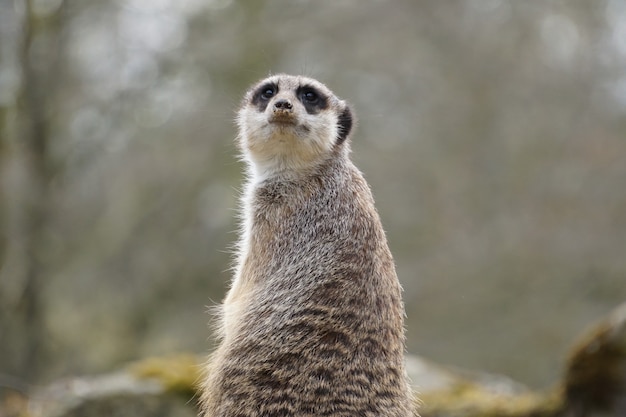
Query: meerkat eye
column 310, row 97
column 267, row 93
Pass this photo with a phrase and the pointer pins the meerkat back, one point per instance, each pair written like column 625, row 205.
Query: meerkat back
column 313, row 322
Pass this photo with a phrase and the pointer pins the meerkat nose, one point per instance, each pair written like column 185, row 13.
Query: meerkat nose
column 283, row 104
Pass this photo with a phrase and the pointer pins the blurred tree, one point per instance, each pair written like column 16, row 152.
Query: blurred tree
column 23, row 267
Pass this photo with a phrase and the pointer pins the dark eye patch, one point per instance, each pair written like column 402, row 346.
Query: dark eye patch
column 312, row 99
column 267, row 93
column 263, row 94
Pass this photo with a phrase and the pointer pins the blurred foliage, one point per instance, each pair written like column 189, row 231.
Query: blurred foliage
column 492, row 132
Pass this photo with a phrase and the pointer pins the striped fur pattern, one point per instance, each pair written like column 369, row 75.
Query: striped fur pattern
column 313, row 322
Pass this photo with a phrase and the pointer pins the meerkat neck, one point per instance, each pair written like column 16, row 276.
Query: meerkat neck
column 284, row 167
column 278, row 167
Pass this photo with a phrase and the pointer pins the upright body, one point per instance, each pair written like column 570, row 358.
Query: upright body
column 313, row 322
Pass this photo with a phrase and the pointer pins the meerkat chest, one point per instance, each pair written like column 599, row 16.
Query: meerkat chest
column 279, row 208
column 287, row 224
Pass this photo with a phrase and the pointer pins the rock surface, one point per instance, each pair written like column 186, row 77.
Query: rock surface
column 594, row 385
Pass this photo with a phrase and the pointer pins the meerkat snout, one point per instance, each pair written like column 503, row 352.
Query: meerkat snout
column 283, row 104
column 283, row 112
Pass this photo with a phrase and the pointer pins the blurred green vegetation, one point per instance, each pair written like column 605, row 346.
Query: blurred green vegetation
column 492, row 132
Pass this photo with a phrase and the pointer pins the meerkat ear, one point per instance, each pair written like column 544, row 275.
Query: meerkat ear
column 344, row 124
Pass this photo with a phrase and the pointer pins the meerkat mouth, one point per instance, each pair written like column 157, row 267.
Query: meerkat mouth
column 283, row 119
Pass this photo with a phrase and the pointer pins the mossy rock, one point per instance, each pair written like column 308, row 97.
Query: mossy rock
column 594, row 385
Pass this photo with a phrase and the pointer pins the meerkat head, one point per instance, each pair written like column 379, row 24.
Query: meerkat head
column 288, row 124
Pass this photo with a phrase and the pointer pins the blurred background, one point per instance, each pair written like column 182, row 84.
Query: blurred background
column 492, row 132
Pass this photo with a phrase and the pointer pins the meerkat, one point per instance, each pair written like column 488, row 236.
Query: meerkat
column 313, row 323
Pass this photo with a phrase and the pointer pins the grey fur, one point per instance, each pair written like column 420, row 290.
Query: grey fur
column 313, row 323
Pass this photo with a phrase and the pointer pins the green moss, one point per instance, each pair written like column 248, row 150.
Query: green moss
column 179, row 373
column 470, row 400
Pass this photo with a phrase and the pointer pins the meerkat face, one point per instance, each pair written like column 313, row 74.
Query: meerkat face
column 290, row 123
